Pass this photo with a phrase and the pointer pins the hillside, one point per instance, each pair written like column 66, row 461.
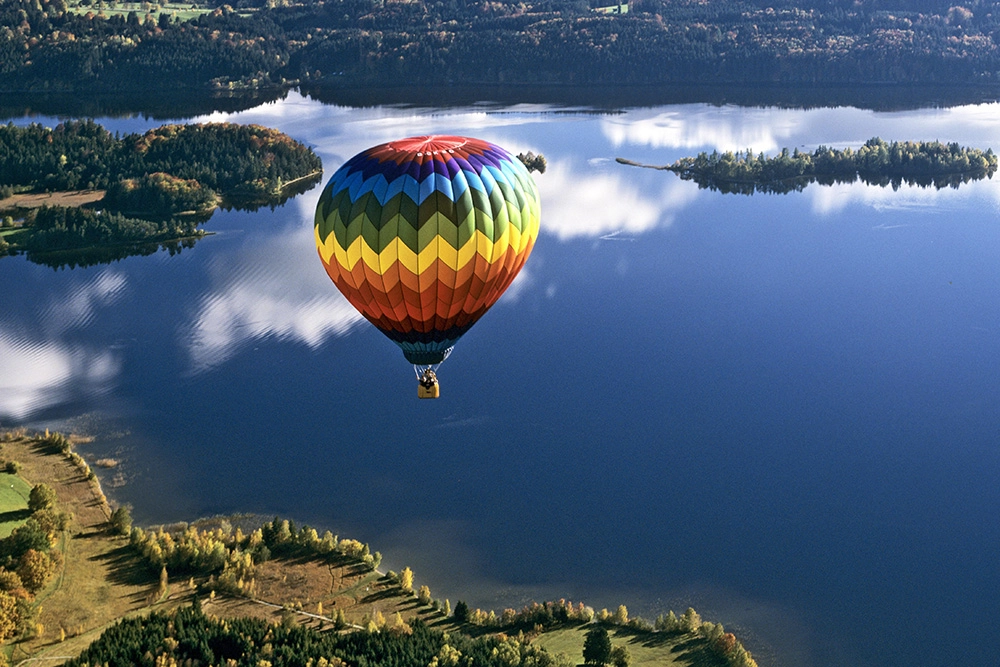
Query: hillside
column 53, row 45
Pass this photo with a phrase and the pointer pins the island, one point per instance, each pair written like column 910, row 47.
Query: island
column 877, row 162
column 77, row 187
column 243, row 590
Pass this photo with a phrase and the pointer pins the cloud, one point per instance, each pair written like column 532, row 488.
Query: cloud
column 78, row 309
column 698, row 126
column 827, row 200
column 608, row 200
column 36, row 375
column 269, row 287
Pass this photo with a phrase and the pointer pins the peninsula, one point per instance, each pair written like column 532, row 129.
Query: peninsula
column 137, row 189
column 242, row 591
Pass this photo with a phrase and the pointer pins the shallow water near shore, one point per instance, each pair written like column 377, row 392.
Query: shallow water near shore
column 780, row 409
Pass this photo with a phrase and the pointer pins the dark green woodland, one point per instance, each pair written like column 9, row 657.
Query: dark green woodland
column 254, row 44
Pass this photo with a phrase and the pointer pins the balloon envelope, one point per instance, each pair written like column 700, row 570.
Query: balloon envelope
column 423, row 235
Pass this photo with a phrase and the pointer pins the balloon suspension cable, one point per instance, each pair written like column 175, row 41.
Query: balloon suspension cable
column 428, row 372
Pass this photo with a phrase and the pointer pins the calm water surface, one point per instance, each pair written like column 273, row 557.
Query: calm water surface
column 781, row 409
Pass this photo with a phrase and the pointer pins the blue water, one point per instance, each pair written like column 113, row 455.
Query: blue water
column 780, row 409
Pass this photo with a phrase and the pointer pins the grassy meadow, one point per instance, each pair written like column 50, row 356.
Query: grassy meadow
column 13, row 502
column 644, row 649
column 178, row 11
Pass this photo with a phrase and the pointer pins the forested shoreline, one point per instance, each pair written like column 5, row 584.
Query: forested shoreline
column 332, row 606
column 49, row 45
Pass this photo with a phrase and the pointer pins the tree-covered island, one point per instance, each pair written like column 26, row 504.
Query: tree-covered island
column 157, row 186
column 109, row 45
column 877, row 162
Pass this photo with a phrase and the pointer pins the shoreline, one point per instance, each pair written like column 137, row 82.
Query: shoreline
column 478, row 592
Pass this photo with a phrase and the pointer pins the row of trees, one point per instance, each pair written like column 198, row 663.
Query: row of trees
column 229, row 556
column 539, row 617
column 61, row 228
column 598, row 649
column 46, row 46
column 876, row 162
column 159, row 192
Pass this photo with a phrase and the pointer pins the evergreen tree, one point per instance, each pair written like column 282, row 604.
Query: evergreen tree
column 597, row 646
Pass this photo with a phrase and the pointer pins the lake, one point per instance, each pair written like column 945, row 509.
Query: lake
column 782, row 410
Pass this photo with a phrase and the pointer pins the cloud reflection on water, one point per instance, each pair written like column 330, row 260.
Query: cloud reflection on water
column 39, row 369
column 580, row 202
column 272, row 289
column 702, row 127
column 275, row 292
column 579, row 198
column 831, row 199
column 695, row 127
column 78, row 308
column 36, row 375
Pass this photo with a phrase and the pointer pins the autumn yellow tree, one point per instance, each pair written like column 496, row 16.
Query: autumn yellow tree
column 161, row 588
column 621, row 615
column 35, row 568
column 690, row 620
column 406, row 580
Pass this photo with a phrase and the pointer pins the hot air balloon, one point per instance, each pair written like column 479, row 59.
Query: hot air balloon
column 423, row 235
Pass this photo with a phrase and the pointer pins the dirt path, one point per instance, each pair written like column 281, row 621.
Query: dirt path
column 38, row 199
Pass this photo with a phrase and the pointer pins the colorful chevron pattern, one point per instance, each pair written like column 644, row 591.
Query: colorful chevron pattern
column 423, row 235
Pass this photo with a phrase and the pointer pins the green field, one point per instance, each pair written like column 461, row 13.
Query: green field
column 13, row 499
column 178, row 11
column 645, row 649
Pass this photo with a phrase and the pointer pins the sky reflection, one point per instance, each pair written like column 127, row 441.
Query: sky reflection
column 830, row 199
column 598, row 199
column 37, row 374
column 272, row 285
column 41, row 364
column 586, row 195
column 701, row 127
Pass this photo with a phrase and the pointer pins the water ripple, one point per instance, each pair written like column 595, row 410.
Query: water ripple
column 36, row 374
